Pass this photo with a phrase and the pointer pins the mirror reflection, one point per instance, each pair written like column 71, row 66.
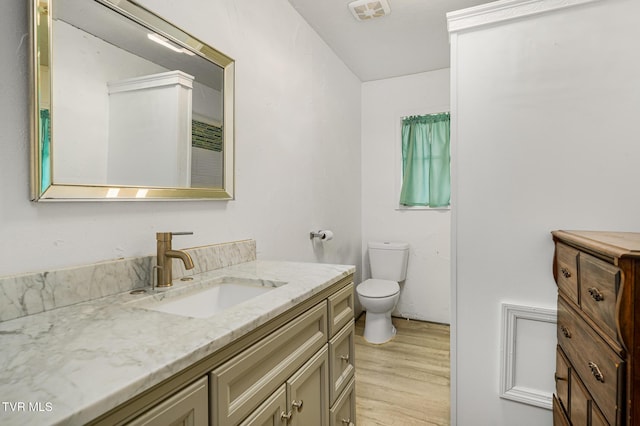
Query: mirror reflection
column 132, row 102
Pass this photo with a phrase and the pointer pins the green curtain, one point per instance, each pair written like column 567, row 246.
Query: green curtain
column 426, row 159
column 45, row 150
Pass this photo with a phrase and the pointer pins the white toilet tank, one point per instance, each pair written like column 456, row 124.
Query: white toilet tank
column 388, row 260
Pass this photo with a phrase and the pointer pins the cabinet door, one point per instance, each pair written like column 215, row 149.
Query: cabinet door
column 341, row 360
column 343, row 412
column 240, row 384
column 189, row 407
column 308, row 392
column 272, row 412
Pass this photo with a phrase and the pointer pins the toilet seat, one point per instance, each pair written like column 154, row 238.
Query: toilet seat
column 375, row 288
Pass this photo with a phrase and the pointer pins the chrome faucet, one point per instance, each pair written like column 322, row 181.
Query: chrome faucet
column 165, row 254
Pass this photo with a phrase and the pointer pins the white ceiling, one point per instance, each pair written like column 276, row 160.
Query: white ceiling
column 412, row 39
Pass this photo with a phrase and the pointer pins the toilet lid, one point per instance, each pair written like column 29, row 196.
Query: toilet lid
column 378, row 288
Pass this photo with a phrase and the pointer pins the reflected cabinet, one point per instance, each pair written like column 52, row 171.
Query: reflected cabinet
column 598, row 353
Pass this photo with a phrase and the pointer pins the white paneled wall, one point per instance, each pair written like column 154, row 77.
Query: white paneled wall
column 544, row 137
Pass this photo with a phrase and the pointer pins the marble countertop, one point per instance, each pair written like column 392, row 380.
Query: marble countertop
column 72, row 364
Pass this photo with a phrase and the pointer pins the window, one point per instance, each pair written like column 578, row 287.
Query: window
column 426, row 177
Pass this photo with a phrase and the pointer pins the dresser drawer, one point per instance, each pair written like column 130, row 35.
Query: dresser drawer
column 599, row 284
column 579, row 412
column 559, row 417
column 584, row 410
column 597, row 418
column 562, row 379
column 341, row 309
column 341, row 360
column 567, row 270
column 600, row 369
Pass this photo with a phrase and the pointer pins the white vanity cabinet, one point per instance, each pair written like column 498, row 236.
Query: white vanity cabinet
column 243, row 382
column 312, row 384
column 320, row 393
column 295, row 370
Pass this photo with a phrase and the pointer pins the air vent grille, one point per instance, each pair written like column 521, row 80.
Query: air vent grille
column 364, row 10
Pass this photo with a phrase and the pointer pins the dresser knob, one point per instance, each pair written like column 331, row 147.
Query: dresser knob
column 595, row 294
column 595, row 370
column 565, row 331
column 297, row 404
column 565, row 272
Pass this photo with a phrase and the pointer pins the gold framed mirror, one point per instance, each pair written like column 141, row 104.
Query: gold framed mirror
column 126, row 106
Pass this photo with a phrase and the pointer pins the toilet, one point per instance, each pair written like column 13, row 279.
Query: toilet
column 379, row 294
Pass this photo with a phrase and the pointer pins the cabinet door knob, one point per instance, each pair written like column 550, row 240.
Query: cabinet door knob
column 595, row 294
column 297, row 404
column 344, row 358
column 347, row 422
column 595, row 370
column 285, row 416
column 565, row 331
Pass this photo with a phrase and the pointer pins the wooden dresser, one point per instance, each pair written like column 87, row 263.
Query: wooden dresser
column 598, row 353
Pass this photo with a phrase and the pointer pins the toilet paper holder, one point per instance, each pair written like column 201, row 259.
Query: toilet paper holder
column 322, row 235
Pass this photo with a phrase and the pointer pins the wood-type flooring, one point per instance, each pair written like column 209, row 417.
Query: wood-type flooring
column 404, row 382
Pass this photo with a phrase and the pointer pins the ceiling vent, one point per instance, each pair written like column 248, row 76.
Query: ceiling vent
column 364, row 10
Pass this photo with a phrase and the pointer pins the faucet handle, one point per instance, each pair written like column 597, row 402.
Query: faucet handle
column 166, row 236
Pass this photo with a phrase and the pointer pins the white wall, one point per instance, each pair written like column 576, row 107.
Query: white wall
column 426, row 292
column 544, row 137
column 297, row 140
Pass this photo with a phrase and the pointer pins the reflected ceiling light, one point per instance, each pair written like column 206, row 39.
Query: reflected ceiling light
column 166, row 43
column 113, row 192
column 141, row 193
column 363, row 10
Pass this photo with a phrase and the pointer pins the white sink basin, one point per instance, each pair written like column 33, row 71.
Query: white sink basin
column 208, row 300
